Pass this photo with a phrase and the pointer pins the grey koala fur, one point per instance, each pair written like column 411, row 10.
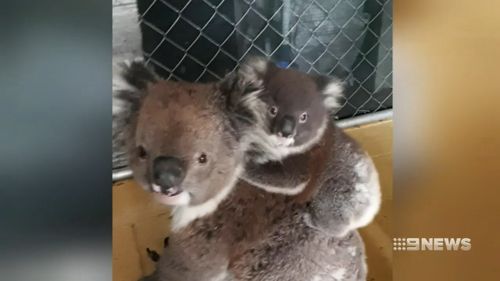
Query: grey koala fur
column 255, row 235
column 347, row 185
column 249, row 234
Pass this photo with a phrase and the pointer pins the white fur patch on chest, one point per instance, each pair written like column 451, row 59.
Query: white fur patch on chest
column 274, row 150
column 183, row 215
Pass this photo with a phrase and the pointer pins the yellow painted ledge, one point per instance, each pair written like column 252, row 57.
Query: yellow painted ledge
column 139, row 222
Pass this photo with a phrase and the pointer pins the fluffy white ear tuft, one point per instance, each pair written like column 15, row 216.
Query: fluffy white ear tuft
column 253, row 70
column 120, row 85
column 130, row 82
column 332, row 91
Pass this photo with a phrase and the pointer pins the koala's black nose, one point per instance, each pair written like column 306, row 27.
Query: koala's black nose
column 286, row 127
column 168, row 171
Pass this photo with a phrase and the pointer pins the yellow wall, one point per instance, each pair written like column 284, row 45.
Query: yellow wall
column 139, row 222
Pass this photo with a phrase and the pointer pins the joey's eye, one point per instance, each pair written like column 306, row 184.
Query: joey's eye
column 141, row 152
column 273, row 110
column 202, row 159
column 303, row 117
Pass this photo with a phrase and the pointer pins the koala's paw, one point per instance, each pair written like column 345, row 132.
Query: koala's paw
column 153, row 255
column 332, row 227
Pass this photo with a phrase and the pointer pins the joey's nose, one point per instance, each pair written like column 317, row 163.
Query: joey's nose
column 286, row 128
column 168, row 172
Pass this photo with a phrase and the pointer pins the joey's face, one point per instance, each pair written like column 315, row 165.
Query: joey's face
column 181, row 148
column 295, row 108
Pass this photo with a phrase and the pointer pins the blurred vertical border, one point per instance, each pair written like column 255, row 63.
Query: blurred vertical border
column 447, row 136
column 55, row 120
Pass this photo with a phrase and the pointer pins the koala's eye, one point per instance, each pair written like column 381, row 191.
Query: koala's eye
column 303, row 117
column 202, row 159
column 273, row 110
column 141, row 152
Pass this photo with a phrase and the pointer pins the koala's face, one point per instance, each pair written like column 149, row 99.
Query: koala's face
column 182, row 147
column 296, row 110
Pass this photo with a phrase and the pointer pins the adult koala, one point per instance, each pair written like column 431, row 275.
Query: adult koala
column 186, row 145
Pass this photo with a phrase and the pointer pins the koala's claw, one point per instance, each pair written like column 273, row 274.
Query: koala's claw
column 153, row 255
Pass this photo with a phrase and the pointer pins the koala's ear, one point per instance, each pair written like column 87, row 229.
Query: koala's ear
column 137, row 74
column 228, row 87
column 254, row 70
column 236, row 89
column 331, row 89
column 132, row 80
column 242, row 104
column 247, row 83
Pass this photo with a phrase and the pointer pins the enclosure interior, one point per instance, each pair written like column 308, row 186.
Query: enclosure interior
column 201, row 41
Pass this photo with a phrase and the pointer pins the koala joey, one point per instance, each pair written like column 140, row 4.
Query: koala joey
column 187, row 146
column 296, row 145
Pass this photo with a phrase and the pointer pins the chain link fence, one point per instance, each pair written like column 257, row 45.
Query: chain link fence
column 205, row 39
column 202, row 40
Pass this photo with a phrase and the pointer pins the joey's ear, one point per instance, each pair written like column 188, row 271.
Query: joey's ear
column 331, row 89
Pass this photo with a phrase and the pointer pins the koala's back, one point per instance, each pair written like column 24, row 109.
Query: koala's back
column 289, row 249
column 293, row 256
column 257, row 235
column 283, row 247
column 347, row 188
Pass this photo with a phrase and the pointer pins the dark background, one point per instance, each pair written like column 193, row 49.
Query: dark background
column 203, row 40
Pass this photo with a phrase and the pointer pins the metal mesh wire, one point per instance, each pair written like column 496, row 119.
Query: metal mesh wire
column 205, row 39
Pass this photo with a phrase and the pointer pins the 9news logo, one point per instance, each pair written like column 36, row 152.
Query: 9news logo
column 431, row 244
